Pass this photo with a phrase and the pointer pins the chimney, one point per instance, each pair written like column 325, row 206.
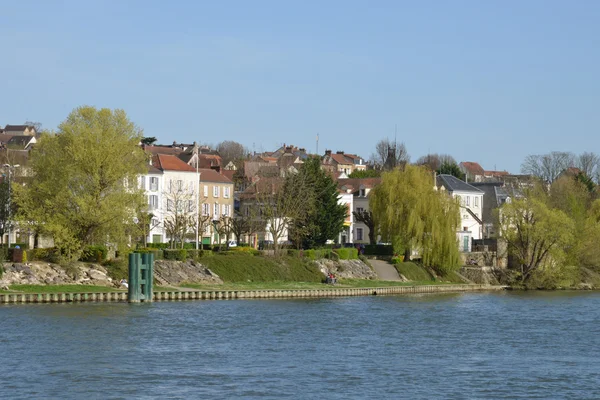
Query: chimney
column 339, row 152
column 327, row 152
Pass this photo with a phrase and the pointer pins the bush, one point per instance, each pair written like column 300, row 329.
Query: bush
column 158, row 245
column 244, row 249
column 94, row 253
column 117, row 268
column 379, row 250
column 347, row 253
column 175, row 254
column 21, row 245
column 158, row 254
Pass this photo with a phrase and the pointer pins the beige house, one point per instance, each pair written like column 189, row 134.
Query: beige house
column 216, row 197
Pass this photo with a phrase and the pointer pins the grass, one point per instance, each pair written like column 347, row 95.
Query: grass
column 413, row 271
column 246, row 267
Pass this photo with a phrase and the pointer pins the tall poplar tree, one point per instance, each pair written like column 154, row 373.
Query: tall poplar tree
column 412, row 214
column 84, row 180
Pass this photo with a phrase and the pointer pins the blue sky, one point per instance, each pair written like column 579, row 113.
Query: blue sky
column 486, row 81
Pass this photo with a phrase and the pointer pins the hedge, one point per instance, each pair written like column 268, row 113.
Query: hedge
column 96, row 253
column 347, row 253
column 379, row 250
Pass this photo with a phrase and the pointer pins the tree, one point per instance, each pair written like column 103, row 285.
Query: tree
column 36, row 125
column 280, row 202
column 84, row 180
column 548, row 167
column 180, row 215
column 245, row 223
column 388, row 155
column 144, row 223
column 589, row 164
column 366, row 217
column 412, row 215
column 324, row 218
column 148, row 140
column 231, row 151
column 368, row 173
column 535, row 233
column 451, row 168
column 435, row 161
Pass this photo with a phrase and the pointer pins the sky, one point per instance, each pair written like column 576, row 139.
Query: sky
column 485, row 81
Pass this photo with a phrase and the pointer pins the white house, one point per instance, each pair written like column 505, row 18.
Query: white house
column 355, row 192
column 471, row 208
column 171, row 187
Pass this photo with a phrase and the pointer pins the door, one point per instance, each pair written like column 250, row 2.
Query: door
column 465, row 244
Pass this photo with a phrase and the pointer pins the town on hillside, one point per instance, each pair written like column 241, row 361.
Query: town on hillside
column 227, row 182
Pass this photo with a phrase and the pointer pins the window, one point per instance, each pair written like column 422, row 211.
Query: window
column 169, row 205
column 362, row 193
column 215, row 191
column 226, row 210
column 359, row 234
column 216, row 211
column 143, row 182
column 153, row 201
column 359, row 210
column 153, row 184
column 476, row 201
column 205, row 190
column 226, row 192
column 179, row 185
column 205, row 209
column 190, row 206
column 468, row 200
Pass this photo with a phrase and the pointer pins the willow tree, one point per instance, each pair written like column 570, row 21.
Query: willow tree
column 83, row 187
column 536, row 234
column 412, row 214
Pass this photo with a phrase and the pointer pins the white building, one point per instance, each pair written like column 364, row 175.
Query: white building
column 170, row 187
column 471, row 209
column 355, row 193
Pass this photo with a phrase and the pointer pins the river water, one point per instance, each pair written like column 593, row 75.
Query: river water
column 505, row 345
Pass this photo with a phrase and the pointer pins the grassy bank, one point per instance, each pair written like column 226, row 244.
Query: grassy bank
column 245, row 267
column 417, row 273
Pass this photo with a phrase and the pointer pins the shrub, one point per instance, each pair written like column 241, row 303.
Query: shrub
column 96, row 253
column 379, row 250
column 21, row 245
column 347, row 253
column 245, row 249
column 158, row 254
column 175, row 254
column 158, row 245
column 24, row 256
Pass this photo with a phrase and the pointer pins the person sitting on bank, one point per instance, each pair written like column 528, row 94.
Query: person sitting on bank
column 124, row 283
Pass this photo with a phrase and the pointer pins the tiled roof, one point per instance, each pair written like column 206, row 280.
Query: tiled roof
column 229, row 173
column 17, row 127
column 209, row 160
column 354, row 184
column 472, row 167
column 210, row 175
column 163, row 150
column 4, row 138
column 168, row 162
column 341, row 159
column 495, row 173
column 453, row 184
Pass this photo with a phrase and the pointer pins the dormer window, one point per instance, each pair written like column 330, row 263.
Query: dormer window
column 362, row 192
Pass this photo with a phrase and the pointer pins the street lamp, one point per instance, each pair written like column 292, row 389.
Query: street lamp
column 10, row 168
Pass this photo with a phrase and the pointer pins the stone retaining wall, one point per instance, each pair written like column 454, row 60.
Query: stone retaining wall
column 18, row 298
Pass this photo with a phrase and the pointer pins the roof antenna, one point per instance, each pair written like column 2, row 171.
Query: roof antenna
column 317, row 144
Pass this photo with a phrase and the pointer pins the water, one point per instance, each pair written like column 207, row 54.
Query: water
column 451, row 346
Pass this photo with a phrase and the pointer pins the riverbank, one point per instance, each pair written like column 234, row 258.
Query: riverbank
column 190, row 294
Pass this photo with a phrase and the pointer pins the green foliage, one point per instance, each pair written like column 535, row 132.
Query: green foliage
column 451, row 168
column 347, row 253
column 411, row 214
column 537, row 235
column 379, row 250
column 159, row 245
column 317, row 254
column 117, row 268
column 175, row 254
column 95, row 253
column 6, row 211
column 325, row 217
column 148, row 140
column 84, row 181
column 24, row 256
column 368, row 173
column 240, row 267
column 245, row 249
column 413, row 271
column 158, row 253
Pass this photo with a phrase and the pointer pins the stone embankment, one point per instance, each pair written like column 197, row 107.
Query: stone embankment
column 167, row 273
column 241, row 294
column 346, row 269
column 43, row 273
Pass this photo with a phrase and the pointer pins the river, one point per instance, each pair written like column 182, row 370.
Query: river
column 450, row 346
